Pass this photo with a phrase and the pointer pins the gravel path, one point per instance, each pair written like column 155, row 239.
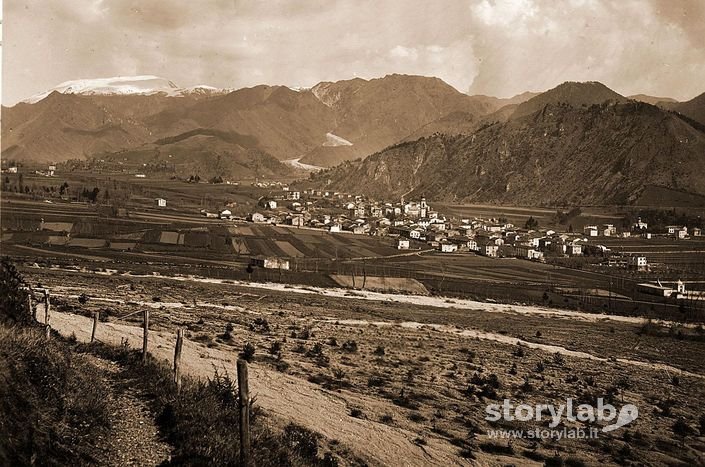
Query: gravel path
column 134, row 438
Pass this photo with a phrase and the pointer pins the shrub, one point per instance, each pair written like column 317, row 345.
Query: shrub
column 376, row 381
column 575, row 462
column 386, row 418
column 228, row 334
column 350, row 346
column 420, row 441
column 260, row 325
column 301, row 440
column 681, row 428
column 558, row 359
column 379, row 351
column 276, row 349
column 526, row 386
column 13, row 301
column 315, row 351
column 481, row 386
column 248, row 352
column 496, row 448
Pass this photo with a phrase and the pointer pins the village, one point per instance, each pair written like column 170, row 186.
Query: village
column 414, row 224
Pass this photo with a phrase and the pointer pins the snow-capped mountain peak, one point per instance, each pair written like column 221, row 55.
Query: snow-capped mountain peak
column 126, row 85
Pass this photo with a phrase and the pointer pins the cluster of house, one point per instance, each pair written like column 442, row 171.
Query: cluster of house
column 48, row 172
column 672, row 290
column 489, row 237
column 642, row 228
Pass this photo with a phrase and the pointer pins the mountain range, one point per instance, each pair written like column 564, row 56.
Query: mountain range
column 576, row 144
column 578, row 141
column 320, row 126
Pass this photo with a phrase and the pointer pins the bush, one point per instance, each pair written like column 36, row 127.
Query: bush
column 386, row 418
column 379, row 351
column 228, row 334
column 375, row 381
column 485, row 387
column 248, row 352
column 496, row 448
column 681, row 428
column 301, row 440
column 13, row 301
column 276, row 349
column 350, row 346
column 315, row 351
column 260, row 325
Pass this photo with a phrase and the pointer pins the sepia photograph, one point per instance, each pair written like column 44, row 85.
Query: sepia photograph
column 352, row 233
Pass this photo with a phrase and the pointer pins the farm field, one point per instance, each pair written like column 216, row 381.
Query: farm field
column 378, row 375
column 22, row 220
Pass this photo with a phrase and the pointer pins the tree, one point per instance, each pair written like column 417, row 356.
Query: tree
column 531, row 223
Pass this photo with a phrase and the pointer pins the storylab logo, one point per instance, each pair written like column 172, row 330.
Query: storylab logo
column 605, row 415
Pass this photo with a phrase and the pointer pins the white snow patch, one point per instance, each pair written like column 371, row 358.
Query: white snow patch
column 335, row 140
column 126, row 85
column 295, row 163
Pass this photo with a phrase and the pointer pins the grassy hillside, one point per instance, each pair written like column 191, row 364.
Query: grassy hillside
column 58, row 406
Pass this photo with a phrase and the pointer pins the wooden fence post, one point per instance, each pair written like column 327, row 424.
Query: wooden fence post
column 177, row 359
column 29, row 304
column 47, row 307
column 95, row 326
column 47, row 313
column 145, row 334
column 244, row 405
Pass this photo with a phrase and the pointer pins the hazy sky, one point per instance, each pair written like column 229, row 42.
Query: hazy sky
column 495, row 47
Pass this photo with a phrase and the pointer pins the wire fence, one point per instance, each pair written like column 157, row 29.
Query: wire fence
column 35, row 303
